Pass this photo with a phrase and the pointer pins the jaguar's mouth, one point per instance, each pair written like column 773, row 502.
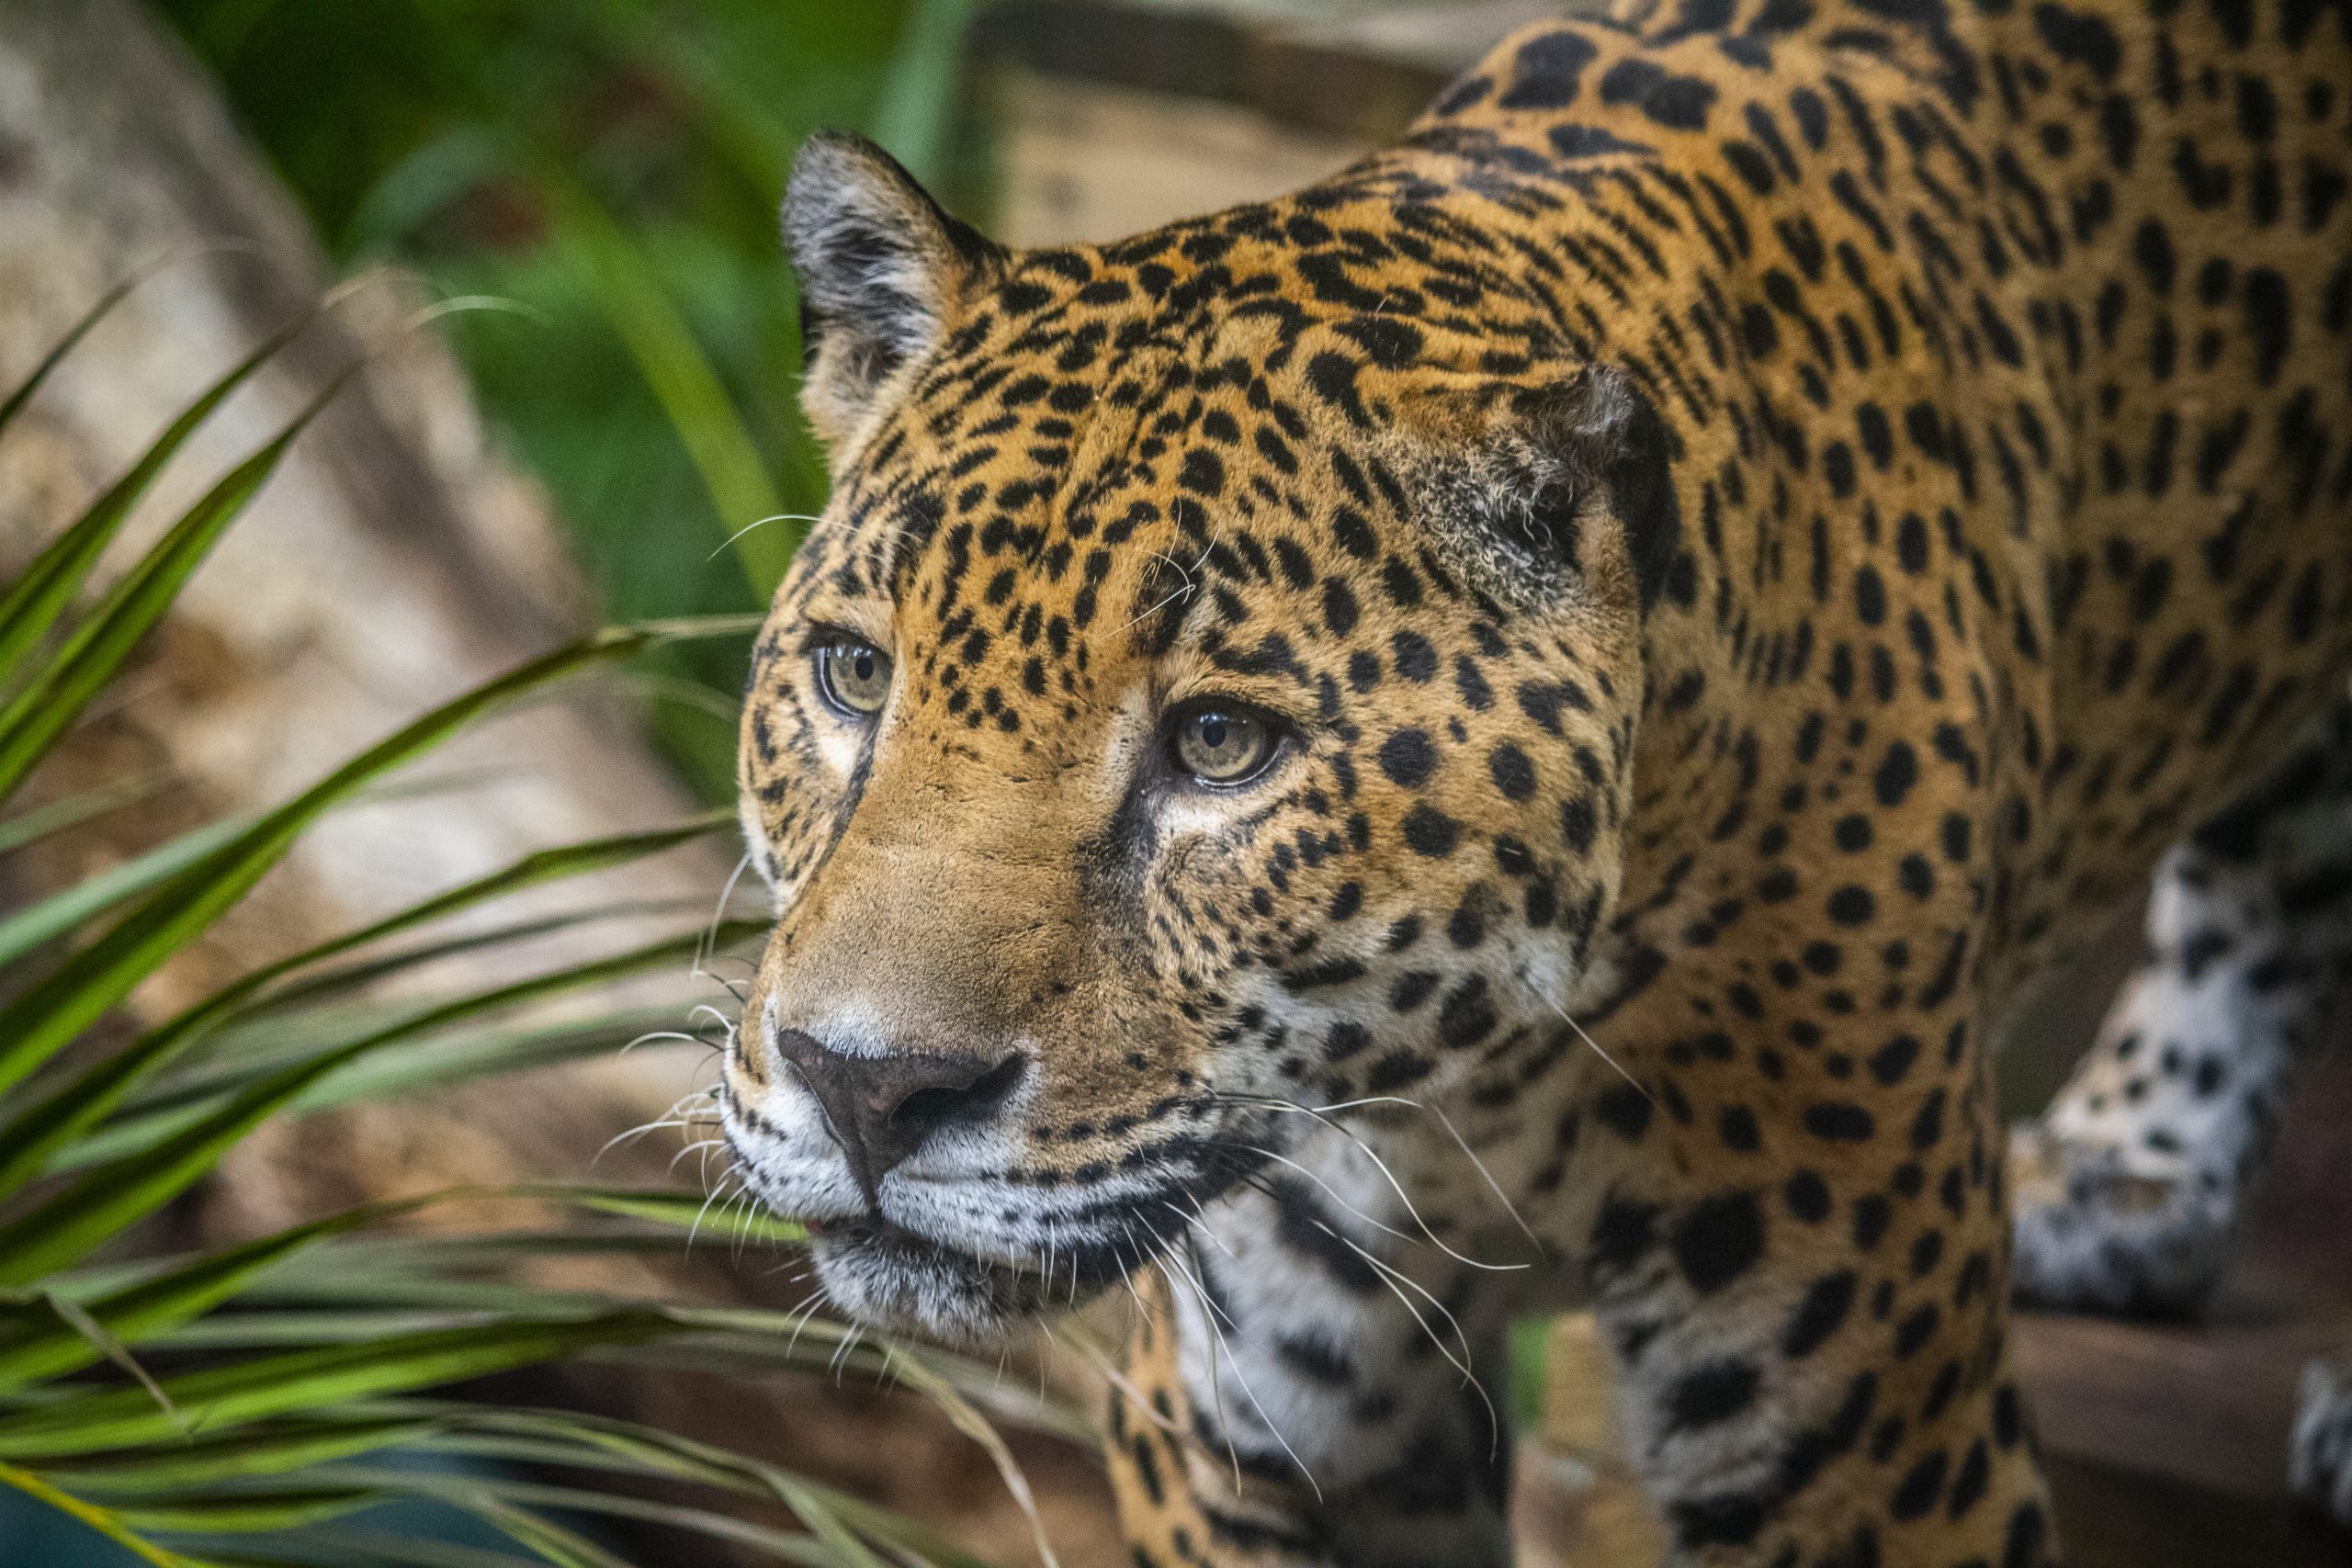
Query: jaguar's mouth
column 891, row 1277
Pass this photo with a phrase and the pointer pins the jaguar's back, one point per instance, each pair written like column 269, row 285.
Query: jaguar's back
column 2047, row 305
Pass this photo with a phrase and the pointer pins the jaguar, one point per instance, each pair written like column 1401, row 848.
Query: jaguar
column 1495, row 734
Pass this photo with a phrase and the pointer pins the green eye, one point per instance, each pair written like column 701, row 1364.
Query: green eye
column 1219, row 743
column 853, row 676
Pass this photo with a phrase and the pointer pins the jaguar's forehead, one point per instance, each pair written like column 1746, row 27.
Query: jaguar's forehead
column 1097, row 454
column 1189, row 389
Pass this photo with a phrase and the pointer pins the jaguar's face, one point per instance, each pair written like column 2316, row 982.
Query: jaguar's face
column 1199, row 701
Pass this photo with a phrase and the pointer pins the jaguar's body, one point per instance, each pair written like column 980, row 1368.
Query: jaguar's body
column 1494, row 733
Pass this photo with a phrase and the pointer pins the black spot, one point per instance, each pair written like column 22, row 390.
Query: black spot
column 1430, row 832
column 1851, row 906
column 1340, row 608
column 1316, row 1359
column 1468, row 1015
column 1922, row 1484
column 1820, row 1315
column 1710, row 1396
column 1591, row 142
column 1625, row 1111
column 2027, row 1527
column 2268, row 318
column 1839, row 1122
column 1415, row 660
column 2076, row 36
column 1807, row 1196
column 1916, row 1329
column 1872, row 1215
column 1579, row 823
column 1546, row 74
column 1968, row 1486
column 1385, row 341
column 1675, row 101
column 1301, row 1223
column 1204, row 472
column 1621, row 1231
column 1897, row 771
column 1720, row 1239
column 1514, row 774
column 1890, row 1062
column 1412, row 988
column 1407, row 758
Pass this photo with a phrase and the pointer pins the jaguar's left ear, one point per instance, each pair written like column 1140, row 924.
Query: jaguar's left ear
column 1520, row 491
column 881, row 268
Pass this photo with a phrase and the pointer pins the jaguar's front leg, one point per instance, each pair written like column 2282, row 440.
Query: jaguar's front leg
column 1304, row 1387
column 1798, row 1243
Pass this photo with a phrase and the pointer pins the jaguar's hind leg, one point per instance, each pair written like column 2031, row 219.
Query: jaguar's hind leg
column 2131, row 1188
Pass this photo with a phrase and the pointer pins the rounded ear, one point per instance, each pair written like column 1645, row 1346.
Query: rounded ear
column 881, row 268
column 1511, row 488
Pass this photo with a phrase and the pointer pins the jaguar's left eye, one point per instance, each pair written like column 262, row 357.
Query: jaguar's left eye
column 853, row 676
column 1221, row 744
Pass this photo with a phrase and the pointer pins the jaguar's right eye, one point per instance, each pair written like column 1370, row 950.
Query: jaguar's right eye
column 853, row 676
column 1220, row 744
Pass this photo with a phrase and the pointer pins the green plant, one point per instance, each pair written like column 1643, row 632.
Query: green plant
column 614, row 167
column 254, row 1404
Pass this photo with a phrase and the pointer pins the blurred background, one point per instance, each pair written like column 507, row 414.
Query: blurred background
column 608, row 432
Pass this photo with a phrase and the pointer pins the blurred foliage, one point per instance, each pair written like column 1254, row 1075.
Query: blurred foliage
column 266, row 1402
column 614, row 167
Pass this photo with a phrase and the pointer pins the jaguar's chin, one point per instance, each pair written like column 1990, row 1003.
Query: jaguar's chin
column 890, row 1278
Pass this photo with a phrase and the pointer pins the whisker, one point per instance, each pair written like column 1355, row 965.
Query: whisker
column 1238, row 1376
column 778, row 517
column 1391, row 1276
column 1200, row 1226
column 1496, row 1187
column 1216, row 1384
column 1597, row 1051
column 1270, row 1103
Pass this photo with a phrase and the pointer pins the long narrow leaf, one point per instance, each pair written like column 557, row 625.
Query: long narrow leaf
column 31, row 1138
column 349, row 1545
column 32, row 1347
column 38, row 1023
column 219, row 1398
column 557, row 1547
column 685, row 383
column 32, row 604
column 512, row 1505
column 64, row 345
column 918, row 103
column 269, row 1449
column 72, row 810
column 566, row 1437
column 241, row 1513
column 333, row 987
column 68, row 1225
column 54, row 696
column 98, row 1518
column 46, row 920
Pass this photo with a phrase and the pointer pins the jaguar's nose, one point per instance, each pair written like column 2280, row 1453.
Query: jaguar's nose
column 881, row 1109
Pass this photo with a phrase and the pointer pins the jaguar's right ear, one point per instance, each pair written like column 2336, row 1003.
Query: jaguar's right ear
column 881, row 268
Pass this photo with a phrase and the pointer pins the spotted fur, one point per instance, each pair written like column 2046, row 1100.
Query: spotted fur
column 1755, row 522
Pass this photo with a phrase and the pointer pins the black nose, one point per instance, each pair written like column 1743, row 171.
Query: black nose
column 880, row 1110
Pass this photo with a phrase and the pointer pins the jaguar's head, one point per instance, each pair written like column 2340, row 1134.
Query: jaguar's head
column 1209, row 692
